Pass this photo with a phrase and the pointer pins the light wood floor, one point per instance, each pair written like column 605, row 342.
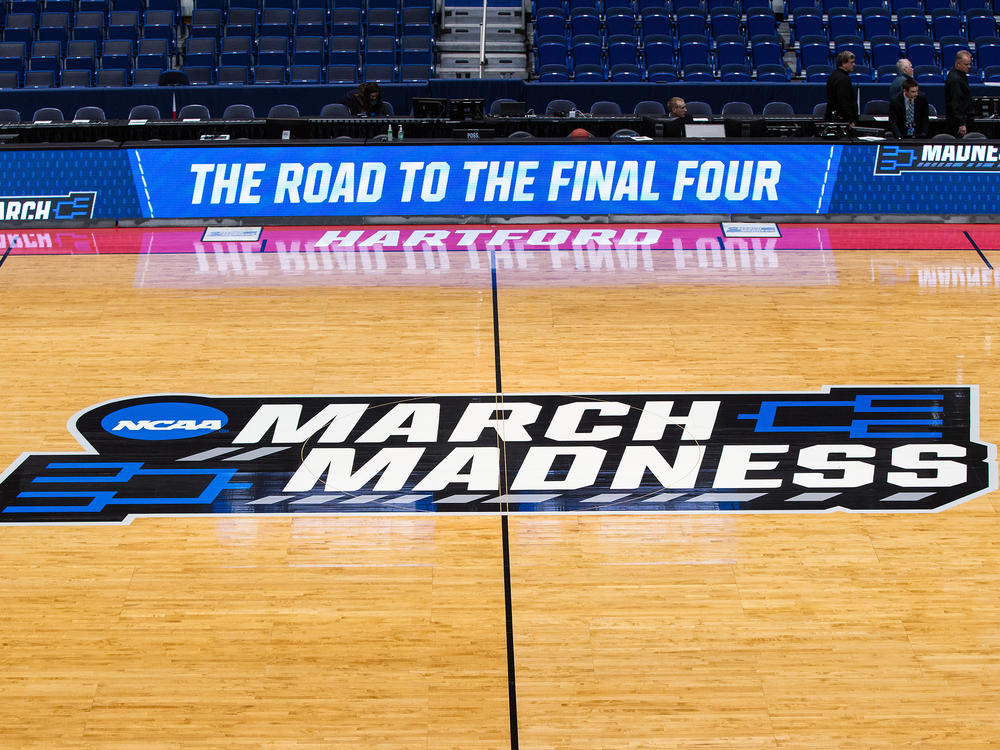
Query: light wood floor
column 665, row 631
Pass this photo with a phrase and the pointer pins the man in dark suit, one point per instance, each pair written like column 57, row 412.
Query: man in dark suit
column 841, row 104
column 908, row 112
column 958, row 96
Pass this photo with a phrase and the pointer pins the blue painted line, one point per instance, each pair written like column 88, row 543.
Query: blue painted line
column 973, row 243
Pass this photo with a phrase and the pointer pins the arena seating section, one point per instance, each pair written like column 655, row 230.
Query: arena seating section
column 80, row 43
column 744, row 40
column 73, row 43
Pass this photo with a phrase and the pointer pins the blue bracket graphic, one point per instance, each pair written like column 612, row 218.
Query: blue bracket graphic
column 99, row 499
column 858, row 428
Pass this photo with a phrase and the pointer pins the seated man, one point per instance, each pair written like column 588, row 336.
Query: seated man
column 908, row 112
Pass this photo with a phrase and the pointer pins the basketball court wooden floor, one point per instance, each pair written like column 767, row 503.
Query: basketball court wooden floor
column 659, row 630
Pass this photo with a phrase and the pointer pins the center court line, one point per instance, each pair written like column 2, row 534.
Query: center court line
column 504, row 530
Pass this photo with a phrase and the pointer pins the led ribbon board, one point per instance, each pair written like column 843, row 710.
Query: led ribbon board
column 882, row 449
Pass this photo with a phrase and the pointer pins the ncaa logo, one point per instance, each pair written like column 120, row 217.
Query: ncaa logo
column 166, row 420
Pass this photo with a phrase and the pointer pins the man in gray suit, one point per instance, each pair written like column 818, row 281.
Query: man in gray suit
column 904, row 70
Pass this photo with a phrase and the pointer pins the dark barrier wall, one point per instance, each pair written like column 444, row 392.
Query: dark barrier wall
column 117, row 103
column 274, row 183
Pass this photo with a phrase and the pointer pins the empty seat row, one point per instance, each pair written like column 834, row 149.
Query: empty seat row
column 887, row 50
column 910, row 22
column 759, row 20
column 665, row 72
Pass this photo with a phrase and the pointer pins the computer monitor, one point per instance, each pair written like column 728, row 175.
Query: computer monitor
column 512, row 109
column 670, row 127
column 705, row 130
column 745, row 127
column 465, row 109
column 426, row 107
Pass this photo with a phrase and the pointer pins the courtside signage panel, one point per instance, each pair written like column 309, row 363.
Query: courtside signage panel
column 434, row 180
column 559, row 180
column 876, row 449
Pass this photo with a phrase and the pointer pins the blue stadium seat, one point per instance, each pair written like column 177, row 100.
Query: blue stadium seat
column 724, row 22
column 626, row 73
column 587, row 50
column 987, row 52
column 621, row 20
column 932, row 5
column 342, row 73
column 272, row 51
column 950, row 46
column 381, row 21
column 691, row 20
column 588, row 72
column 980, row 22
column 886, row 73
column 876, row 107
column 305, row 74
column 699, row 72
column 730, row 50
column 875, row 22
column 693, row 50
column 344, row 50
column 554, row 73
column 945, row 22
column 269, row 75
column 311, row 22
column 699, row 109
column 992, row 73
column 152, row 53
column 204, row 23
column 761, row 20
column 345, row 22
column 659, row 52
column 550, row 24
column 911, row 22
column 842, row 22
column 884, row 51
column 773, row 73
column 584, row 21
column 920, row 50
column 8, row 80
column 807, row 22
column 236, row 51
column 813, row 50
column 276, row 22
column 75, row 79
column 417, row 50
column 655, row 23
column 233, row 75
column 380, row 73
column 145, row 76
column 928, row 74
column 112, row 77
column 54, row 27
column 199, row 75
column 735, row 72
column 661, row 72
column 201, row 52
column 309, row 50
column 861, row 74
column 765, row 50
column 863, row 5
column 850, row 43
column 416, row 22
column 40, row 79
column 622, row 50
column 414, row 72
column 818, row 73
column 20, row 27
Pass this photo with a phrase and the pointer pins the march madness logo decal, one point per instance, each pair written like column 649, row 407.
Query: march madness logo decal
column 877, row 449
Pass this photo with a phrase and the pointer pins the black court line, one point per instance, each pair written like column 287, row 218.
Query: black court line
column 973, row 243
column 7, row 252
column 504, row 531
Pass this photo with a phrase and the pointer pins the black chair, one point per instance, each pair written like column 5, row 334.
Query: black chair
column 144, row 112
column 649, row 107
column 778, row 109
column 283, row 110
column 48, row 114
column 559, row 108
column 194, row 112
column 10, row 115
column 89, row 114
column 605, row 109
column 336, row 109
column 238, row 112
